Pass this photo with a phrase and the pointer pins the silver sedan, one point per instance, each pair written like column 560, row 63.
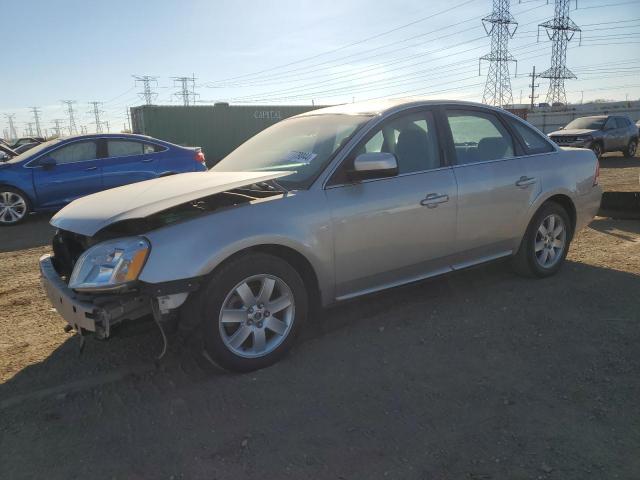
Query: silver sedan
column 317, row 209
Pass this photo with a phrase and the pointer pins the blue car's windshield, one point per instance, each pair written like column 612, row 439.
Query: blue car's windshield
column 303, row 145
column 33, row 151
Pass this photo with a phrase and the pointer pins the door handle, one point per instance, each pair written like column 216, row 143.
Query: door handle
column 525, row 181
column 91, row 168
column 433, row 200
column 147, row 160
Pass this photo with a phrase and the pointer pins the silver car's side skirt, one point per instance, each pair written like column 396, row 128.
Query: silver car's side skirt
column 485, row 259
column 433, row 273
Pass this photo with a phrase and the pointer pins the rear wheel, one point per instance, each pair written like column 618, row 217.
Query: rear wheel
column 630, row 151
column 14, row 206
column 251, row 311
column 546, row 242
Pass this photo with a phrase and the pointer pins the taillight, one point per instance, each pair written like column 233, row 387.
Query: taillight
column 200, row 158
column 596, row 176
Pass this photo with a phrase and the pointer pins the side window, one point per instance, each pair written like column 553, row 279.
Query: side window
column 611, row 123
column 533, row 140
column 75, row 152
column 123, row 148
column 149, row 149
column 478, row 137
column 621, row 123
column 412, row 139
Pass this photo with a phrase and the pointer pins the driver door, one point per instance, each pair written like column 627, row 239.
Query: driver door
column 387, row 231
column 77, row 172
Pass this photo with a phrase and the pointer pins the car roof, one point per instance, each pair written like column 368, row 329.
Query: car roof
column 386, row 105
column 108, row 135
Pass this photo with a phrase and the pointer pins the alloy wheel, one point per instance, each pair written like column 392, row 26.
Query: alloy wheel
column 13, row 207
column 551, row 240
column 256, row 316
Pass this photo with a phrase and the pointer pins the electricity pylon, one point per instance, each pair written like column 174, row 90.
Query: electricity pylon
column 501, row 26
column 560, row 30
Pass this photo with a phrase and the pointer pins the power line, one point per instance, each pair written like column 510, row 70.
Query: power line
column 147, row 93
column 187, row 90
column 36, row 119
column 561, row 29
column 95, row 110
column 12, row 128
column 501, row 26
column 73, row 130
column 57, row 128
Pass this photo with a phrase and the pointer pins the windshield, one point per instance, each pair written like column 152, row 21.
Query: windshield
column 589, row 123
column 33, row 151
column 303, row 145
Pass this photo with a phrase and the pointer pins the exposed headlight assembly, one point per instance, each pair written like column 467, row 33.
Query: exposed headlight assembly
column 110, row 265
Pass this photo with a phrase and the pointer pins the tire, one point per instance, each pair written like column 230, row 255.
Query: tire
column 235, row 343
column 596, row 147
column 631, row 149
column 531, row 259
column 14, row 206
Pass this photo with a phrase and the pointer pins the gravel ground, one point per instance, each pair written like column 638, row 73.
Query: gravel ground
column 475, row 375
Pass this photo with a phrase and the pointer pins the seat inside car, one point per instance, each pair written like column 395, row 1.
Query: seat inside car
column 492, row 148
column 412, row 150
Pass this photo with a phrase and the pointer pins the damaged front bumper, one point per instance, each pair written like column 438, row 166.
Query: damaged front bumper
column 91, row 313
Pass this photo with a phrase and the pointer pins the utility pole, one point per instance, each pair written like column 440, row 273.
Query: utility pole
column 107, row 125
column 128, row 121
column 560, row 30
column 500, row 26
column 29, row 128
column 73, row 130
column 12, row 128
column 187, row 89
column 533, row 86
column 96, row 115
column 147, row 93
column 36, row 120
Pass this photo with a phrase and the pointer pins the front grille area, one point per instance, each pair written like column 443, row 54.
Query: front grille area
column 563, row 139
column 67, row 248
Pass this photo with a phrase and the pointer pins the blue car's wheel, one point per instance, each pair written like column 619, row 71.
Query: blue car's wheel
column 14, row 206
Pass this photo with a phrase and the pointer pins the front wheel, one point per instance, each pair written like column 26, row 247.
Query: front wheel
column 596, row 148
column 630, row 151
column 14, row 206
column 251, row 311
column 545, row 244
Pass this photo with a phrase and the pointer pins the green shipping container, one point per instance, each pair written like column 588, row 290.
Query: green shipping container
column 218, row 129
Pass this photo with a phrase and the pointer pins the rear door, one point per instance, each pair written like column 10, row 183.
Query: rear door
column 127, row 161
column 494, row 188
column 77, row 172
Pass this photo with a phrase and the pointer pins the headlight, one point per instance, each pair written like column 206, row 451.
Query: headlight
column 584, row 138
column 110, row 265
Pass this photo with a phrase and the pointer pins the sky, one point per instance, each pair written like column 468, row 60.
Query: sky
column 292, row 52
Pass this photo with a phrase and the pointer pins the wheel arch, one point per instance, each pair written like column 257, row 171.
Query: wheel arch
column 290, row 255
column 26, row 195
column 565, row 202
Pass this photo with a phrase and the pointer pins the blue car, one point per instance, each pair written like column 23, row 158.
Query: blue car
column 54, row 173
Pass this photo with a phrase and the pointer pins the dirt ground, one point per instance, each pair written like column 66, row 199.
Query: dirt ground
column 476, row 375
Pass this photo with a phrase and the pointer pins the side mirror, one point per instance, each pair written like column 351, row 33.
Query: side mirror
column 374, row 165
column 48, row 163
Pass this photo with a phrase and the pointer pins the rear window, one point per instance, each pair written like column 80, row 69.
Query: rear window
column 534, row 141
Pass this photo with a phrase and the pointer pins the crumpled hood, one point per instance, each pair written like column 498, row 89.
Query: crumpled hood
column 89, row 215
column 573, row 132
